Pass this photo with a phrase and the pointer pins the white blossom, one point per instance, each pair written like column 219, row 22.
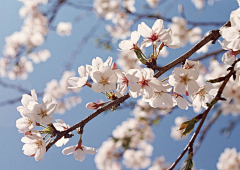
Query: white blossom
column 184, row 80
column 25, row 123
column 104, row 79
column 144, row 83
column 42, row 112
column 130, row 44
column 64, row 28
column 229, row 159
column 78, row 82
column 61, row 126
column 34, row 145
column 79, row 151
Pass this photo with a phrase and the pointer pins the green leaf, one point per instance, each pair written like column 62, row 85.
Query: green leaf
column 184, row 125
column 189, row 127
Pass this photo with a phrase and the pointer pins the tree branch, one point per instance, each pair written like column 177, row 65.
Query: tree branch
column 205, row 113
column 212, row 36
column 209, row 54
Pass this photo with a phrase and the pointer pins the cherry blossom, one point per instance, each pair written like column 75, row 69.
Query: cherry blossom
column 132, row 43
column 61, row 126
column 162, row 98
column 180, row 101
column 41, row 56
column 202, row 96
column 127, row 60
column 79, row 151
column 104, row 79
column 182, row 34
column 96, row 63
column 64, row 28
column 143, row 83
column 229, row 57
column 25, row 123
column 42, row 112
column 184, row 80
column 77, row 82
column 135, row 159
column 108, row 155
column 34, row 145
column 229, row 159
column 153, row 35
column 153, row 3
column 123, row 82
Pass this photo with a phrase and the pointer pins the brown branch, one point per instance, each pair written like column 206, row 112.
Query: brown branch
column 212, row 36
column 87, row 119
column 205, row 113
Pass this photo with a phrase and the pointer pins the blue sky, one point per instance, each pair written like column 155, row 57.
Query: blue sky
column 100, row 128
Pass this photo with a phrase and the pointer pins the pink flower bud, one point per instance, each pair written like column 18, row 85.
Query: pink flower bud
column 27, row 133
column 114, row 66
column 92, row 105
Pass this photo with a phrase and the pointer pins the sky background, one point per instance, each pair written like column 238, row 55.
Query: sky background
column 100, row 128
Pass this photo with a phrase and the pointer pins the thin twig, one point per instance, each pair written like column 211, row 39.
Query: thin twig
column 13, row 86
column 81, row 45
column 209, row 54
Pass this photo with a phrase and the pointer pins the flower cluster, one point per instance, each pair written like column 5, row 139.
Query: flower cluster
column 231, row 38
column 115, row 10
column 32, row 34
column 181, row 33
column 229, row 159
column 34, row 114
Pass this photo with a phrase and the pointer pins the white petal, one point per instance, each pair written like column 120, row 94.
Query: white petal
column 89, row 150
column 144, row 30
column 79, row 155
column 126, row 45
column 82, row 71
column 97, row 87
column 135, row 37
column 68, row 150
column 158, row 26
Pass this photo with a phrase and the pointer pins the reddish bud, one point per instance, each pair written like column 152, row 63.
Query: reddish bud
column 114, row 66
